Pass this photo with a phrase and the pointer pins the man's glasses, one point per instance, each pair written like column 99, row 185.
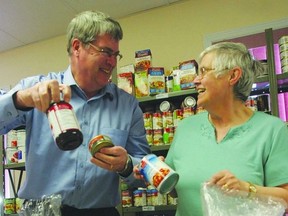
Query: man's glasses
column 107, row 52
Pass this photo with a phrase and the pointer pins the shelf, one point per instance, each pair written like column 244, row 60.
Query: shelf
column 150, row 208
column 159, row 148
column 167, row 95
column 282, row 82
column 16, row 166
column 283, row 77
column 263, row 87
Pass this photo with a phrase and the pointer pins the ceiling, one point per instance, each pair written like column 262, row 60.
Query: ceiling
column 27, row 21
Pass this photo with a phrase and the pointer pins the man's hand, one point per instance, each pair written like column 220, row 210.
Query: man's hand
column 41, row 95
column 111, row 158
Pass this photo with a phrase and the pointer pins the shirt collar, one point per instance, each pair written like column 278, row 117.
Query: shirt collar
column 68, row 79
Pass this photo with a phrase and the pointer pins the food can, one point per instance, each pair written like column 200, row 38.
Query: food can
column 13, row 155
column 189, row 101
column 158, row 137
column 158, row 173
column 139, row 197
column 148, row 122
column 283, row 47
column 284, row 62
column 169, row 83
column 158, row 198
column 126, row 199
column 98, row 142
column 9, row 206
column 188, row 111
column 167, row 118
column 157, row 121
column 149, row 136
column 168, row 135
column 171, row 200
column 12, row 140
column 149, row 193
column 283, row 39
column 166, row 106
column 21, row 138
column 284, row 54
column 18, row 205
column 177, row 116
column 284, row 69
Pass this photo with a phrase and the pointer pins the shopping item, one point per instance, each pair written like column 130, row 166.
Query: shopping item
column 158, row 173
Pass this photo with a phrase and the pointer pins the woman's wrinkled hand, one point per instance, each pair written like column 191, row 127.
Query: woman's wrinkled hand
column 228, row 181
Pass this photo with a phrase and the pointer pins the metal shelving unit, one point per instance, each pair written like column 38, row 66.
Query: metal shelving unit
column 149, row 209
column 271, row 74
column 9, row 168
column 176, row 97
column 268, row 84
column 2, row 178
column 167, row 95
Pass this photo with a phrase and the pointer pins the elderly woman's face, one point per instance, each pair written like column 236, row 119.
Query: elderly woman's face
column 211, row 90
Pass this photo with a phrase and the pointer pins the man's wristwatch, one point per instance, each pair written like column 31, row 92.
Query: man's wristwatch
column 127, row 169
column 252, row 189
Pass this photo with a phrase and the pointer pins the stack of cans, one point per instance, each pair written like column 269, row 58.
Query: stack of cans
column 283, row 48
column 15, row 146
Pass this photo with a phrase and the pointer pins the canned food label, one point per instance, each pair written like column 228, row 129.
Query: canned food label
column 148, row 122
column 157, row 121
column 158, row 174
column 62, row 118
column 139, row 197
column 168, row 119
column 149, row 136
column 9, row 206
column 158, row 137
column 126, row 199
column 98, row 142
column 13, row 155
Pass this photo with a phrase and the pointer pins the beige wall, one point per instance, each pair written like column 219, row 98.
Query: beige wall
column 174, row 33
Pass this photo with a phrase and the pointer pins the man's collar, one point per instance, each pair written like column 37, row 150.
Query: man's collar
column 68, row 79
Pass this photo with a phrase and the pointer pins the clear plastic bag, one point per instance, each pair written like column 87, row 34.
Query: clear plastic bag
column 218, row 202
column 47, row 206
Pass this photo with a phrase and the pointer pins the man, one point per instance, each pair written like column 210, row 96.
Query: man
column 88, row 185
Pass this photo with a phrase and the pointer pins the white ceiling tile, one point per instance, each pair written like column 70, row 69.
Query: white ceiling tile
column 26, row 21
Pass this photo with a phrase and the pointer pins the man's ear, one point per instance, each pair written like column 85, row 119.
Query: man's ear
column 235, row 75
column 75, row 46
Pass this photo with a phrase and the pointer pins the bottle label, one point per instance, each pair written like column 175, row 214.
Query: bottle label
column 61, row 118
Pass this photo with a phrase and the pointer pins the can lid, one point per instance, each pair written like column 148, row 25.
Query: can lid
column 189, row 101
column 98, row 142
column 165, row 106
column 168, row 183
column 99, row 145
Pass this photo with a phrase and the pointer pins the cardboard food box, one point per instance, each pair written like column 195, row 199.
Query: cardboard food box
column 156, row 80
column 188, row 72
column 141, row 84
column 125, row 78
column 143, row 60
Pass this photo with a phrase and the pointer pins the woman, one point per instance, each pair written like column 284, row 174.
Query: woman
column 229, row 145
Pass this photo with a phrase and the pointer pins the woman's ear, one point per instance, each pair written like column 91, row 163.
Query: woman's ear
column 235, row 75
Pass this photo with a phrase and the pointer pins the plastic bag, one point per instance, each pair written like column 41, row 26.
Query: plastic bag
column 218, row 202
column 47, row 206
